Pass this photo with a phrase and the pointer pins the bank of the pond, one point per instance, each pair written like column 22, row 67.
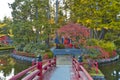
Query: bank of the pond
column 23, row 58
column 100, row 61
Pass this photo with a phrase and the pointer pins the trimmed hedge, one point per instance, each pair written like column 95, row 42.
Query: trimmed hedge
column 6, row 48
column 20, row 53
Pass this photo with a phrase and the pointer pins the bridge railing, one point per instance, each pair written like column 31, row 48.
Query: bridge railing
column 93, row 64
column 78, row 69
column 37, row 70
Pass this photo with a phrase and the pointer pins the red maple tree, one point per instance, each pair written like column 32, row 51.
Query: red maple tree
column 75, row 32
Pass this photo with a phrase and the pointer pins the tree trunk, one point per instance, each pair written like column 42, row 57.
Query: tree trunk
column 95, row 34
column 47, row 41
column 91, row 33
column 102, row 34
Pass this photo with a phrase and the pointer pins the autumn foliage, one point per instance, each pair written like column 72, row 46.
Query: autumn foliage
column 75, row 32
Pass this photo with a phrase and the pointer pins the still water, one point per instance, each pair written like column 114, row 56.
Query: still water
column 111, row 70
column 10, row 66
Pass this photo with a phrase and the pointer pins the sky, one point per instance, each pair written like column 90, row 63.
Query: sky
column 4, row 9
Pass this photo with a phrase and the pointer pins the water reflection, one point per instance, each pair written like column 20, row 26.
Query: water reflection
column 10, row 67
column 111, row 70
column 7, row 77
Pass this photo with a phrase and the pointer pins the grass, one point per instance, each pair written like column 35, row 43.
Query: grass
column 92, row 71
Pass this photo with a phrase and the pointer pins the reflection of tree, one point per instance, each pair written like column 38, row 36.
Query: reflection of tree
column 20, row 65
column 116, row 73
column 7, row 70
column 11, row 63
column 111, row 71
column 7, row 66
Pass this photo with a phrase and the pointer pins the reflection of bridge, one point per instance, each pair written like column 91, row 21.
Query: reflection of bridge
column 59, row 68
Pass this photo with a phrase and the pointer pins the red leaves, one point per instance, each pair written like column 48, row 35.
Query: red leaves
column 74, row 30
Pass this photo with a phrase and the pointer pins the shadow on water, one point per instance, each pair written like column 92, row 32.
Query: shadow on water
column 111, row 70
column 10, row 66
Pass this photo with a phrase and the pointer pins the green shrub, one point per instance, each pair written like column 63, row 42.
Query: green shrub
column 42, row 46
column 92, row 42
column 117, row 43
column 47, row 54
column 4, row 45
column 34, row 47
column 20, row 46
column 107, row 45
column 50, row 54
column 93, row 53
column 61, row 46
column 110, row 36
column 27, row 48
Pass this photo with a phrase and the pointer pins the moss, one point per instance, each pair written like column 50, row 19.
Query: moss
column 93, row 72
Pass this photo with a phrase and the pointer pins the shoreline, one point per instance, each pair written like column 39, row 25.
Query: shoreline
column 22, row 58
column 103, row 61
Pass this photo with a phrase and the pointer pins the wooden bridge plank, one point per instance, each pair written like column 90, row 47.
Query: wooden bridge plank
column 36, row 78
column 62, row 72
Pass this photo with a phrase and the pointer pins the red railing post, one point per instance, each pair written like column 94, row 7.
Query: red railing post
column 49, row 63
column 39, row 66
column 96, row 64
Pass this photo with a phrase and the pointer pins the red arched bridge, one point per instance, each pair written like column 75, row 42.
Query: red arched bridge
column 52, row 70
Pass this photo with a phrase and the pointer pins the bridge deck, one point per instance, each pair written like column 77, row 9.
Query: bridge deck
column 62, row 72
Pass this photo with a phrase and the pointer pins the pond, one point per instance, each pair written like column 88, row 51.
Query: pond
column 10, row 66
column 111, row 70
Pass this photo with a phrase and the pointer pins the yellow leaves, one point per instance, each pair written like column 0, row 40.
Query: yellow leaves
column 2, row 25
column 10, row 31
column 83, row 1
column 78, row 20
column 106, row 27
column 61, row 20
column 11, row 35
column 2, row 35
column 51, row 21
column 11, row 61
column 88, row 21
column 98, row 29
